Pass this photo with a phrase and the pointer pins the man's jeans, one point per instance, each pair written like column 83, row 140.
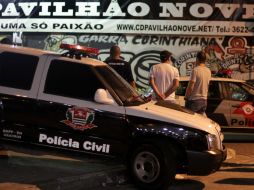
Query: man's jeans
column 198, row 106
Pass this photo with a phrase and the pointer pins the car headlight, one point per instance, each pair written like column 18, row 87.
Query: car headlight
column 212, row 141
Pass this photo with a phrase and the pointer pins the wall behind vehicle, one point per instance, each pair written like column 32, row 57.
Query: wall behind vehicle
column 142, row 29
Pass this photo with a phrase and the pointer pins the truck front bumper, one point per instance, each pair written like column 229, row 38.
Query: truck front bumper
column 204, row 163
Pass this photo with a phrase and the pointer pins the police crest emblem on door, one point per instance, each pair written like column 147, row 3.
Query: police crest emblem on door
column 79, row 118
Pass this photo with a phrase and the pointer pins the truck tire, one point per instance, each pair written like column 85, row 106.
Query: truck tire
column 152, row 167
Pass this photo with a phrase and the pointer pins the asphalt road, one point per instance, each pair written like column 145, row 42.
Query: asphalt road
column 25, row 168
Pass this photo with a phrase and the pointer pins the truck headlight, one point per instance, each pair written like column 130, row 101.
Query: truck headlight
column 212, row 141
column 221, row 136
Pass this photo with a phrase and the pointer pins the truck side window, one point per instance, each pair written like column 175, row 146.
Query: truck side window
column 72, row 80
column 17, row 70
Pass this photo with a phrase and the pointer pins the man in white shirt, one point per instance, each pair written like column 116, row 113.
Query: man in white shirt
column 164, row 78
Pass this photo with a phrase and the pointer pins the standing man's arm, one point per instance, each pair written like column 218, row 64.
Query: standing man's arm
column 175, row 83
column 190, row 85
column 155, row 89
column 133, row 84
column 189, row 89
column 173, row 88
column 129, row 76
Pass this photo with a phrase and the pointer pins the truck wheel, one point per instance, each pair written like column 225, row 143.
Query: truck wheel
column 152, row 167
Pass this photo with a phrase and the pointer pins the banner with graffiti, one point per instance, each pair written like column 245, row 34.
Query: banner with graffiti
column 142, row 51
column 175, row 17
column 142, row 28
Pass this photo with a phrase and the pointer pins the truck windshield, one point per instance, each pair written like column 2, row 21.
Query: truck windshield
column 128, row 95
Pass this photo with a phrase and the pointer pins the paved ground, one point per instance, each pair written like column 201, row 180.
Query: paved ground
column 26, row 168
column 31, row 169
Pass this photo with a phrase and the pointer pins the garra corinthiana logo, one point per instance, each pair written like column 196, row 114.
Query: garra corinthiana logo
column 79, row 118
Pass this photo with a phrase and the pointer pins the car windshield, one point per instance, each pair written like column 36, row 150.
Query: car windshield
column 248, row 88
column 128, row 95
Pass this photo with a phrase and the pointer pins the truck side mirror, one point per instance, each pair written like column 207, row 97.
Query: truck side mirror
column 103, row 97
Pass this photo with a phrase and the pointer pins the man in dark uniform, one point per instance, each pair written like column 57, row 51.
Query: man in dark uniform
column 122, row 67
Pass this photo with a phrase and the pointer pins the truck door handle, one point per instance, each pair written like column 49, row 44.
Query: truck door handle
column 236, row 106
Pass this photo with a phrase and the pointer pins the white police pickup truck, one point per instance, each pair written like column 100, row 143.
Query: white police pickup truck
column 83, row 105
